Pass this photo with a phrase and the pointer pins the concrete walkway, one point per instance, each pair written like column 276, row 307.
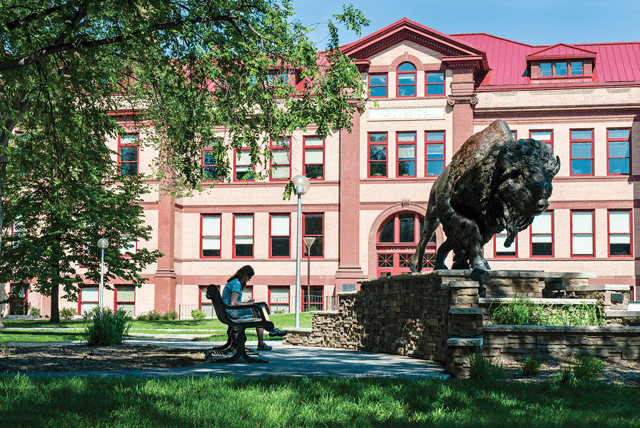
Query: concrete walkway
column 284, row 360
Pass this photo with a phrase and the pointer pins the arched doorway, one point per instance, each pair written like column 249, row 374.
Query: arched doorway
column 396, row 241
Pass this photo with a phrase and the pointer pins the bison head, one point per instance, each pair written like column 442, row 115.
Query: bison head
column 524, row 172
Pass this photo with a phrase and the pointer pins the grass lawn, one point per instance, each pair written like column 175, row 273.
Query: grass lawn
column 147, row 328
column 310, row 402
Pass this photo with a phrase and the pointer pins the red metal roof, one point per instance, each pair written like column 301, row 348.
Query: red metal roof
column 615, row 62
column 562, row 50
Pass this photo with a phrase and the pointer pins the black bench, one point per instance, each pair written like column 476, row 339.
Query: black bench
column 236, row 338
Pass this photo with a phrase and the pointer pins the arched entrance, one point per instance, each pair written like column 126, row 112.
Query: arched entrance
column 396, row 241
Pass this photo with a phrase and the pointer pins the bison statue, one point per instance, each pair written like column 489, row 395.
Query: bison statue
column 493, row 183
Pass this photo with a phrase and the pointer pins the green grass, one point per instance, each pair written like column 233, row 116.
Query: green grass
column 519, row 311
column 310, row 402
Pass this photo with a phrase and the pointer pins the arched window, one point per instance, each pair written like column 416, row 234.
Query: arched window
column 397, row 241
column 406, row 80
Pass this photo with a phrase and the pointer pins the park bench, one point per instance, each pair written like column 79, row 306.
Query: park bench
column 234, row 348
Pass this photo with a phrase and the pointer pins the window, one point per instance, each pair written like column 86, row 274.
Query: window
column 313, row 158
column 278, row 78
column 582, row 243
column 128, row 151
column 618, row 151
column 378, row 85
column 544, row 136
column 620, row 233
column 499, row 246
column 209, row 163
column 406, row 80
column 205, row 305
column 19, row 306
column 514, row 135
column 313, row 301
column 17, row 230
column 279, row 299
column 280, row 231
column 434, row 153
column 576, row 68
column 281, row 162
column 561, row 68
column 435, row 84
column 582, row 152
column 378, row 155
column 542, row 235
column 128, row 245
column 243, row 236
column 546, row 69
column 313, row 226
column 126, row 298
column 88, row 299
column 210, row 232
column 406, row 154
column 242, row 165
column 396, row 242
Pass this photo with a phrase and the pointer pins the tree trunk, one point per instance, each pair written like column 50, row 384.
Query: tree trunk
column 55, row 309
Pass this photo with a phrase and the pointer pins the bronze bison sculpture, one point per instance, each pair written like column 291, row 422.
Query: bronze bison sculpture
column 493, row 183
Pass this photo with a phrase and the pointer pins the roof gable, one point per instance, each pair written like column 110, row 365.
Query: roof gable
column 561, row 50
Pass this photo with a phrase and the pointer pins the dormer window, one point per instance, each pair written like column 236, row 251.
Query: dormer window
column 561, row 68
column 561, row 61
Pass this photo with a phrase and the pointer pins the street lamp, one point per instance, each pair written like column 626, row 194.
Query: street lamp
column 102, row 244
column 308, row 242
column 300, row 187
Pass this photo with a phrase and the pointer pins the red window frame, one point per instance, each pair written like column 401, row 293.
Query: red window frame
column 122, row 144
column 550, row 131
column 554, row 68
column 592, row 234
column 205, row 306
column 276, row 148
column 429, row 142
column 321, row 236
column 117, row 301
column 406, row 73
column 135, row 246
column 532, row 234
column 406, row 143
column 630, row 234
column 203, row 236
column 271, row 235
column 236, row 164
column 428, row 85
column 235, row 237
column 309, row 304
column 514, row 135
column 573, row 141
column 80, row 301
column 376, row 162
column 495, row 247
column 619, row 140
column 208, row 148
column 306, row 146
column 279, row 304
column 385, row 86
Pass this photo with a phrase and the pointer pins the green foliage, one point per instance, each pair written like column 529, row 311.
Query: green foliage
column 583, row 368
column 108, row 328
column 68, row 313
column 197, row 314
column 170, row 316
column 483, row 368
column 90, row 314
column 34, row 312
column 531, row 366
column 525, row 312
column 152, row 315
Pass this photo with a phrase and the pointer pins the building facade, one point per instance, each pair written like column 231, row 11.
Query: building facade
column 369, row 187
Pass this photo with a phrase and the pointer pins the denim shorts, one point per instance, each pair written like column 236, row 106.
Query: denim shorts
column 238, row 314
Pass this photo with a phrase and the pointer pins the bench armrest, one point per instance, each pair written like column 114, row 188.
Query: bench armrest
column 258, row 308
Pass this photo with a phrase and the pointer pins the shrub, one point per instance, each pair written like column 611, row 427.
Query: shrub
column 152, row 316
column 531, row 366
column 482, row 368
column 67, row 313
column 86, row 315
column 143, row 317
column 170, row 316
column 34, row 312
column 197, row 314
column 108, row 328
column 587, row 366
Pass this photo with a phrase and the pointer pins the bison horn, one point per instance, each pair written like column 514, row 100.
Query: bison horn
column 557, row 168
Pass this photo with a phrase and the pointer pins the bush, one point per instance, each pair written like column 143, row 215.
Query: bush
column 150, row 316
column 197, row 314
column 170, row 316
column 143, row 317
column 68, row 313
column 482, row 368
column 109, row 328
column 583, row 369
column 531, row 366
column 34, row 312
column 86, row 315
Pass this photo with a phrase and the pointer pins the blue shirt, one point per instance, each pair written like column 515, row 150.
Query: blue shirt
column 232, row 286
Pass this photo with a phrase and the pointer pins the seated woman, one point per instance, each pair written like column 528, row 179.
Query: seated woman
column 232, row 295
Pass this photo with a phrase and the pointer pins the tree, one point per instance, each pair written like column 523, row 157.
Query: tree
column 60, row 207
column 187, row 68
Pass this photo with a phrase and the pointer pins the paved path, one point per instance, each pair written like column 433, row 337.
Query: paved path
column 284, row 360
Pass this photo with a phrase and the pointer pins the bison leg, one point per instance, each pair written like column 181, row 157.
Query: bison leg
column 431, row 223
column 475, row 257
column 441, row 255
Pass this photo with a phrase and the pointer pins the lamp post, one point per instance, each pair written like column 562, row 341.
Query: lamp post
column 308, row 242
column 102, row 244
column 301, row 186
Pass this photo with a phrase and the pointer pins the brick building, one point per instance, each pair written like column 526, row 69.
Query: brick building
column 369, row 188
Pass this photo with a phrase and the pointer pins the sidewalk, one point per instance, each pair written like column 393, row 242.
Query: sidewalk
column 284, row 360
